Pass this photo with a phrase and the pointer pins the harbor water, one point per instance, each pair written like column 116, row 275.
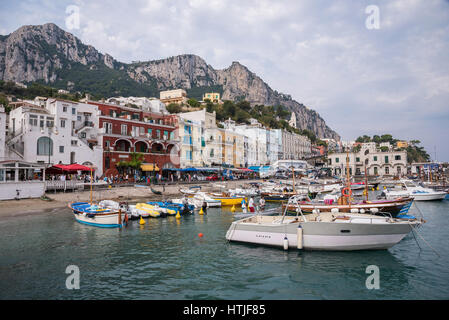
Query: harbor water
column 166, row 259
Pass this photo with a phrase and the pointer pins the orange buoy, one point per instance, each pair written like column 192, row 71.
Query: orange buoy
column 346, row 192
column 200, row 235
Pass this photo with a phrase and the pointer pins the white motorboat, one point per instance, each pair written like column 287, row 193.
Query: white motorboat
column 408, row 188
column 200, row 197
column 253, row 192
column 322, row 231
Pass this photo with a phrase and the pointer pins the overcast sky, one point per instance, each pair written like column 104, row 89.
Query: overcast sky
column 393, row 79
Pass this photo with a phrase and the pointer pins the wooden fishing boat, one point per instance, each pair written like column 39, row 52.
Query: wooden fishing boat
column 393, row 207
column 107, row 215
column 277, row 196
column 97, row 216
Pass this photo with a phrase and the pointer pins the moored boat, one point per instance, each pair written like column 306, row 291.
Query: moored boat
column 97, row 216
column 392, row 207
column 407, row 188
column 227, row 200
column 322, row 231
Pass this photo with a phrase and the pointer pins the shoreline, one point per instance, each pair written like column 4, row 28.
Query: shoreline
column 37, row 206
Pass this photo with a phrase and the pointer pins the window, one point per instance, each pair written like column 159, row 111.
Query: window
column 61, row 149
column 150, row 133
column 73, row 111
column 64, row 109
column 107, row 144
column 172, row 135
column 357, row 159
column 124, row 129
column 375, row 158
column 189, row 155
column 44, row 146
column 398, row 157
column 375, row 170
column 33, row 120
column 387, row 170
column 398, row 169
column 158, row 133
column 165, row 135
column 107, row 127
column 337, row 160
column 41, row 121
column 330, row 161
column 386, row 159
column 83, row 135
column 50, row 122
column 62, row 123
column 74, row 143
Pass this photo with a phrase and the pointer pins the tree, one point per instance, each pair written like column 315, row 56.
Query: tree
column 174, row 108
column 4, row 101
column 193, row 103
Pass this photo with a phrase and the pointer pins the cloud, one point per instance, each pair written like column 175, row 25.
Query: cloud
column 394, row 79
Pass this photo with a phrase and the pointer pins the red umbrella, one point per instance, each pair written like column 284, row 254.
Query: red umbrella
column 78, row 167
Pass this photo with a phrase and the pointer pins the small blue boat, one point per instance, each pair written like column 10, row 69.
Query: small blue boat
column 176, row 207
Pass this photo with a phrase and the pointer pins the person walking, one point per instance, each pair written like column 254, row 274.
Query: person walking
column 262, row 203
column 244, row 205
column 251, row 205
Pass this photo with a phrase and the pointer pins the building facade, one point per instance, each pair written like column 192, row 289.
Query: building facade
column 62, row 132
column 127, row 130
column 378, row 163
column 178, row 96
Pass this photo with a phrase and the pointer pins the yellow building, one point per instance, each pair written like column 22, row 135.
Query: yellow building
column 212, row 96
column 401, row 144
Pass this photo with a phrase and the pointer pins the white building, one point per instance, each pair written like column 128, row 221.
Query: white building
column 257, row 153
column 63, row 132
column 390, row 163
column 292, row 121
column 144, row 103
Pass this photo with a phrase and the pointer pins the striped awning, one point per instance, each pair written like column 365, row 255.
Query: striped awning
column 149, row 167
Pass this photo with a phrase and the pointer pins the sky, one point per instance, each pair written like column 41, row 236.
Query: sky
column 365, row 70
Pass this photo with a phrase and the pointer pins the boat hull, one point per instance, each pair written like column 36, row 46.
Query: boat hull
column 419, row 196
column 230, row 201
column 393, row 208
column 321, row 235
column 105, row 219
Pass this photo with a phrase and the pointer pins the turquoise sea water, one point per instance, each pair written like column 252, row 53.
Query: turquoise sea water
column 165, row 259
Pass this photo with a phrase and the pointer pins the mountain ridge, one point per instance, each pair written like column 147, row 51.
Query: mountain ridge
column 48, row 54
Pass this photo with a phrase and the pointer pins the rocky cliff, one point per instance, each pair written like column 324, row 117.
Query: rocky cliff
column 51, row 55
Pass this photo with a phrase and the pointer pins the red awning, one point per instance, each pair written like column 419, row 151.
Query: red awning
column 69, row 168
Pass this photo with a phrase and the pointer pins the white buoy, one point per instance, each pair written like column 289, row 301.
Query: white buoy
column 374, row 210
column 299, row 237
column 285, row 243
column 335, row 210
column 362, row 210
column 354, row 210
